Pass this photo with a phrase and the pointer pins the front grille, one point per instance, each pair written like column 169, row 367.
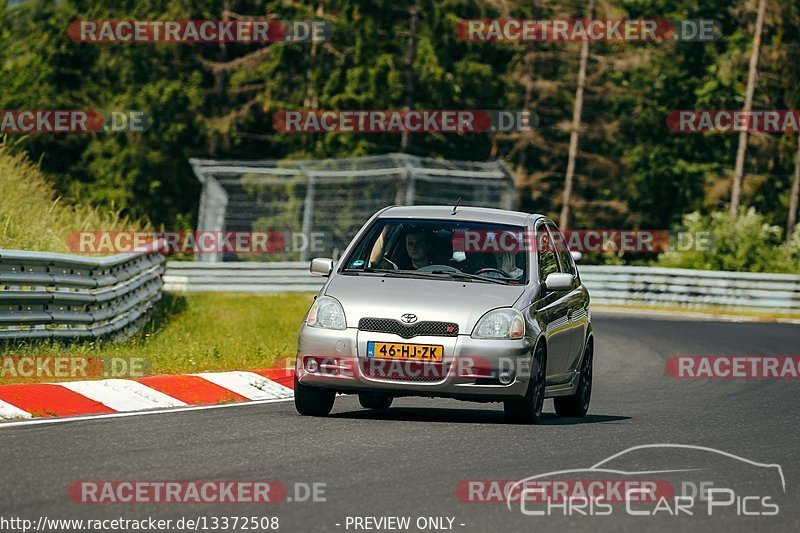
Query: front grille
column 407, row 331
column 404, row 370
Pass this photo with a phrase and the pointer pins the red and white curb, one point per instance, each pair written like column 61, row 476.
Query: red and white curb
column 74, row 398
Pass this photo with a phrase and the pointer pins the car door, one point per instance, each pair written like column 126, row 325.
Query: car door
column 552, row 308
column 577, row 301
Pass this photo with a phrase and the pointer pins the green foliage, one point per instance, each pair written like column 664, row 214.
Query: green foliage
column 217, row 101
column 748, row 244
column 33, row 217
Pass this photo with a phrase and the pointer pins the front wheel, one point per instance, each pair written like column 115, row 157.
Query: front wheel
column 370, row 400
column 578, row 404
column 528, row 409
column 312, row 401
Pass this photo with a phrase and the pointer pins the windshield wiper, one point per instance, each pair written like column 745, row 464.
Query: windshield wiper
column 475, row 277
column 435, row 274
column 362, row 270
column 390, row 271
column 414, row 273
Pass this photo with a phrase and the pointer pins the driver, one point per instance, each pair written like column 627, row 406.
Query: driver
column 419, row 244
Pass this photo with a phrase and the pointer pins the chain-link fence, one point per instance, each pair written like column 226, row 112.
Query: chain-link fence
column 318, row 205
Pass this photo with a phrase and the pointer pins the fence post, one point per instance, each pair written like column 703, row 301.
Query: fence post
column 511, row 189
column 308, row 210
column 407, row 183
column 213, row 205
column 411, row 185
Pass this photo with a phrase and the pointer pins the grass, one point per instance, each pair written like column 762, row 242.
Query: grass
column 197, row 333
column 33, row 217
column 192, row 333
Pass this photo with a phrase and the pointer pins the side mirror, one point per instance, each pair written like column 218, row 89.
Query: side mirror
column 576, row 255
column 558, row 282
column 321, row 266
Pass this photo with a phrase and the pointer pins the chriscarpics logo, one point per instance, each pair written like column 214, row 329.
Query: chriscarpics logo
column 653, row 480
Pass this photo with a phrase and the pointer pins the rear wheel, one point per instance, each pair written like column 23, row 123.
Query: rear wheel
column 369, row 400
column 528, row 409
column 578, row 404
column 312, row 401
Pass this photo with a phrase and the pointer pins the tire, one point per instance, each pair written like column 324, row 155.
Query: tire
column 370, row 400
column 578, row 404
column 312, row 401
column 528, row 409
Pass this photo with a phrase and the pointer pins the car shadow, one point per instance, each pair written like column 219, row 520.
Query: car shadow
column 465, row 416
column 552, row 419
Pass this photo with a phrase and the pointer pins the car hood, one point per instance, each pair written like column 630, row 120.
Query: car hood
column 438, row 300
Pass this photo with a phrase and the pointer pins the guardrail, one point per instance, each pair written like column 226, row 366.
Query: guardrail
column 48, row 295
column 626, row 285
column 277, row 276
column 608, row 285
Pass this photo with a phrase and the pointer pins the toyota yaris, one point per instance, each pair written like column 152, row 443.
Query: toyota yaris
column 468, row 303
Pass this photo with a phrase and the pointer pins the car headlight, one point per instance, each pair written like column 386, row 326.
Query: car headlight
column 504, row 323
column 326, row 313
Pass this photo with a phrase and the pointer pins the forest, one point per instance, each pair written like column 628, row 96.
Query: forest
column 623, row 166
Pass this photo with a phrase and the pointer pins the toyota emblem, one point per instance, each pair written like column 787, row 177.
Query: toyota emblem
column 409, row 318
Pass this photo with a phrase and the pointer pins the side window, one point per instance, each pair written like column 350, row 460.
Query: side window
column 565, row 258
column 545, row 252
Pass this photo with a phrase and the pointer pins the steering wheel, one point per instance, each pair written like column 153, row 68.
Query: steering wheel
column 494, row 271
column 392, row 263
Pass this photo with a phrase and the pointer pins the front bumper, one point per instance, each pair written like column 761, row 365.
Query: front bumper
column 471, row 368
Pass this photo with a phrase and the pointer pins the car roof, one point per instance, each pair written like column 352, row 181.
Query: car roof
column 445, row 212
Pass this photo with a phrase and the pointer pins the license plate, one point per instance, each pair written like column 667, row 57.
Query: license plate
column 411, row 352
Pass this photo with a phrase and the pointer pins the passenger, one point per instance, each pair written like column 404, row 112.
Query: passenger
column 507, row 262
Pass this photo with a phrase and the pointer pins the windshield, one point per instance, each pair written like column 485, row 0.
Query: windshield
column 458, row 250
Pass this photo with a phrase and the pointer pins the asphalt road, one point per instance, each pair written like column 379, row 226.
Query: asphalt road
column 409, row 460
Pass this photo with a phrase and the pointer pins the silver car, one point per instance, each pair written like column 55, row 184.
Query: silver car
column 469, row 303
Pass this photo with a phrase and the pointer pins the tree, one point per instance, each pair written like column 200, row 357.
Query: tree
column 738, row 173
column 411, row 58
column 576, row 124
column 794, row 196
